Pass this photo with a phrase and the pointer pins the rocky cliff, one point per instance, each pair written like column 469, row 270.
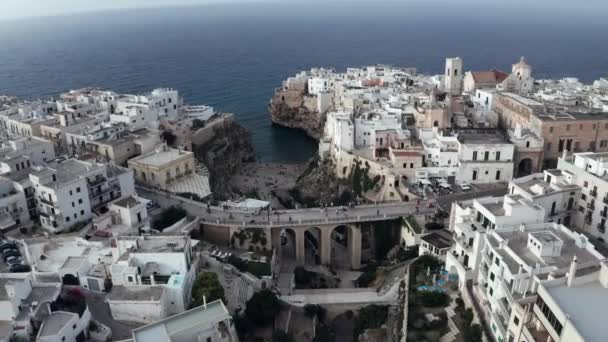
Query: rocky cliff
column 295, row 110
column 229, row 147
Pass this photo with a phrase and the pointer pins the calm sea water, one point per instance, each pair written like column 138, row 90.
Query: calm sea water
column 233, row 56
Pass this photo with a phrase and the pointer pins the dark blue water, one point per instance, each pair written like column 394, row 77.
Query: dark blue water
column 233, row 56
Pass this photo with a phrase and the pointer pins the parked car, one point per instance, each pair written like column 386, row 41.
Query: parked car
column 19, row 268
column 10, row 253
column 6, row 244
column 10, row 261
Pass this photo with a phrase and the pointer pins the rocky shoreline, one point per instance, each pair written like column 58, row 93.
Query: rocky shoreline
column 296, row 114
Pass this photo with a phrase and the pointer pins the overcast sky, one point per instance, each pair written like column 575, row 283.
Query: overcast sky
column 13, row 9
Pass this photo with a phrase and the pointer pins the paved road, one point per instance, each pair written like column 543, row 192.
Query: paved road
column 282, row 218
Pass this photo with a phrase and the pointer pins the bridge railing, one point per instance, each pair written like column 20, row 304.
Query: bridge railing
column 296, row 223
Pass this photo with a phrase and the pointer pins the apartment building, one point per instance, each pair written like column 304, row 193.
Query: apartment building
column 68, row 192
column 515, row 259
column 566, row 309
column 589, row 171
column 21, row 153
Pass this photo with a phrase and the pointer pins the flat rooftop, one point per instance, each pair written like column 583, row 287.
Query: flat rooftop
column 54, row 323
column 481, row 136
column 68, row 170
column 161, row 245
column 161, row 157
column 136, row 293
column 183, row 326
column 587, row 306
column 517, row 242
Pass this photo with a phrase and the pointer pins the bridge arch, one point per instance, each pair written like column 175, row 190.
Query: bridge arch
column 344, row 246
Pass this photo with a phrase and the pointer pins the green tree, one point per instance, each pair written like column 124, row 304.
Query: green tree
column 472, row 333
column 263, row 307
column 168, row 137
column 281, row 336
column 207, row 285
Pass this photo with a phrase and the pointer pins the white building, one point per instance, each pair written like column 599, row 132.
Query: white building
column 208, row 322
column 484, row 157
column 26, row 305
column 22, row 153
column 589, row 171
column 152, row 277
column 570, row 308
column 514, row 260
column 69, row 191
column 13, row 206
column 475, row 156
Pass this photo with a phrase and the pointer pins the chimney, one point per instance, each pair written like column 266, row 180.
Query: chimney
column 572, row 272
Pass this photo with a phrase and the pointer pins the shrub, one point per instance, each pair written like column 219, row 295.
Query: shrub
column 472, row 333
column 302, row 276
column 433, row 299
column 169, row 217
column 207, row 287
column 263, row 307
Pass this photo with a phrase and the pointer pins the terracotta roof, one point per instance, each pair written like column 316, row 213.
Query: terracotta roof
column 493, row 76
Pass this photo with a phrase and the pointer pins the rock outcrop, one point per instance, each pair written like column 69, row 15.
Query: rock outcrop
column 295, row 109
column 223, row 154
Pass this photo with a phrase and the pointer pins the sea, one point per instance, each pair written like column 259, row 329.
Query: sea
column 233, row 56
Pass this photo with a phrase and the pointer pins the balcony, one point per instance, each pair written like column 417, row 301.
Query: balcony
column 601, row 227
column 588, row 219
column 96, row 181
column 591, row 206
column 604, row 213
column 593, row 193
column 46, row 201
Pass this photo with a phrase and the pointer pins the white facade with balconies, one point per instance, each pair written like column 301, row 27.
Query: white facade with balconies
column 514, row 260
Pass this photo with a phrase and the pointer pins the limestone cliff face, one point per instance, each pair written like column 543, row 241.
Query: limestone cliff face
column 228, row 148
column 294, row 109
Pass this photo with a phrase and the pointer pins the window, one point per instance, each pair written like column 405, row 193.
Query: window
column 603, row 143
column 567, row 127
column 80, row 201
column 486, row 155
column 67, row 219
column 405, row 165
column 548, row 146
column 497, row 262
column 73, row 205
column 586, row 184
column 515, row 320
column 492, row 276
column 474, row 155
column 474, row 175
column 551, row 129
column 497, row 155
column 527, row 144
column 498, row 175
column 78, row 189
column 411, row 165
column 82, row 213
